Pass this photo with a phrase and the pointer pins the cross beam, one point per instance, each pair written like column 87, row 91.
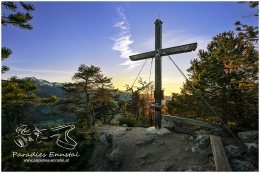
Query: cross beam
column 157, row 53
column 164, row 52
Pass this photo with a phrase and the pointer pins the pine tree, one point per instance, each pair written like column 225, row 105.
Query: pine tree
column 248, row 32
column 18, row 15
column 226, row 74
column 5, row 54
column 16, row 93
column 138, row 103
column 91, row 88
column 18, row 99
column 12, row 16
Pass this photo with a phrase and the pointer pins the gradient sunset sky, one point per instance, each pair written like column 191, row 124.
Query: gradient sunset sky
column 104, row 34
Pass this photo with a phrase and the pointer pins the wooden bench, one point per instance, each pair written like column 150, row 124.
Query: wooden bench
column 179, row 124
column 186, row 121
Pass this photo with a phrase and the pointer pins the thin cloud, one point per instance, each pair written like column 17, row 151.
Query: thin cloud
column 123, row 40
column 131, row 64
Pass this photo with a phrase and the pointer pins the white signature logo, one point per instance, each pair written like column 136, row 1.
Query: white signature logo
column 28, row 134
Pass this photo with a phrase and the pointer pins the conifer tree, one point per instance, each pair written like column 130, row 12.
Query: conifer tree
column 226, row 74
column 91, row 89
column 19, row 15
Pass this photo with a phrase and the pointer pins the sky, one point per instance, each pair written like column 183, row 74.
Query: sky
column 105, row 34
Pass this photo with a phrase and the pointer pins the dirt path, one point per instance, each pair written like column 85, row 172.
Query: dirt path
column 133, row 149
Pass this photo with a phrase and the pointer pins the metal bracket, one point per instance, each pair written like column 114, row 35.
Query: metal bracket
column 156, row 106
column 158, row 52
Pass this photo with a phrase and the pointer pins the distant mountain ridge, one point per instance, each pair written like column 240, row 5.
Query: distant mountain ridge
column 43, row 82
column 46, row 88
column 46, row 114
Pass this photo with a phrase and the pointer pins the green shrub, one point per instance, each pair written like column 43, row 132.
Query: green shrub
column 132, row 121
column 129, row 120
column 143, row 122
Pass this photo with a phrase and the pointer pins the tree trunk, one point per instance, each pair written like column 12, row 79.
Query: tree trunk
column 89, row 111
column 224, row 106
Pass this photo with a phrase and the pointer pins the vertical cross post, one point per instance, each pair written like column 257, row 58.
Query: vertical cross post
column 158, row 72
column 158, row 53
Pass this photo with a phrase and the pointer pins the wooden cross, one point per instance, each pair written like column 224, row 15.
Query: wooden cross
column 157, row 53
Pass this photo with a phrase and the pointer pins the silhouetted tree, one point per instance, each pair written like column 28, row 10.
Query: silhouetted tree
column 16, row 14
column 91, row 89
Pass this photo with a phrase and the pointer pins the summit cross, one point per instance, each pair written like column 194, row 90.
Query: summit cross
column 158, row 53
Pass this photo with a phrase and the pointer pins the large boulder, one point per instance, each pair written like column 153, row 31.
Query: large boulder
column 202, row 145
column 248, row 136
column 203, row 141
column 233, row 152
column 239, row 165
column 250, row 139
column 252, row 147
column 168, row 124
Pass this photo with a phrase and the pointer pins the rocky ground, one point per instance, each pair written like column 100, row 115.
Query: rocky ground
column 135, row 149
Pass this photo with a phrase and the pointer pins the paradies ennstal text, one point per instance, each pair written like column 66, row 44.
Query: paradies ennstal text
column 49, row 154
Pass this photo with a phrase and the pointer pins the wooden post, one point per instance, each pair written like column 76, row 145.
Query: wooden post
column 158, row 72
column 219, row 154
